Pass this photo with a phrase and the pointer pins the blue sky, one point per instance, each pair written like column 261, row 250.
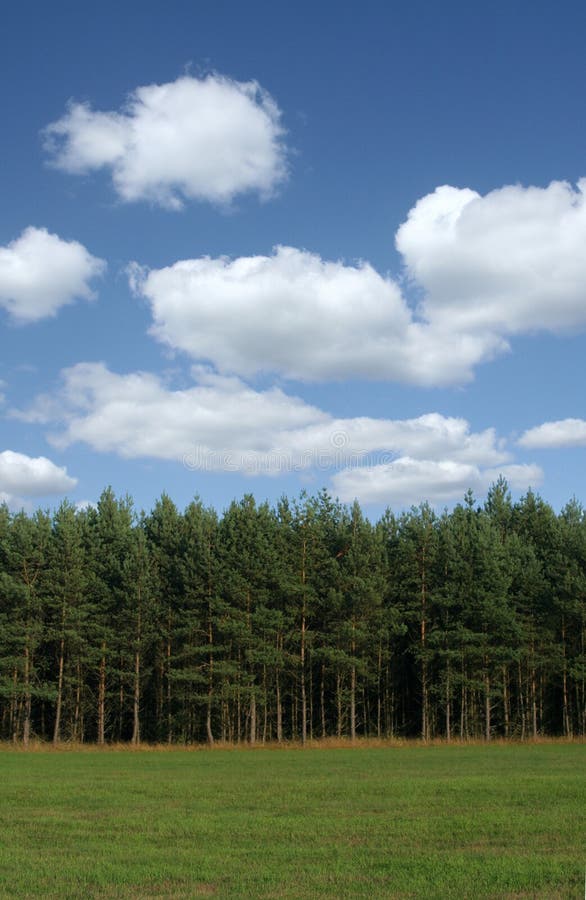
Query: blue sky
column 273, row 247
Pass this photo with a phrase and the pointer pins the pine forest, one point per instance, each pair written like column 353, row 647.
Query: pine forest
column 292, row 623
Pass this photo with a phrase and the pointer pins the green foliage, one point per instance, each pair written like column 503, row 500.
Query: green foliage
column 291, row 623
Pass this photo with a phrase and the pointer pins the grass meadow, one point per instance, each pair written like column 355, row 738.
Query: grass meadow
column 503, row 820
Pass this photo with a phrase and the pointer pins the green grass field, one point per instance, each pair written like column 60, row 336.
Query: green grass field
column 406, row 821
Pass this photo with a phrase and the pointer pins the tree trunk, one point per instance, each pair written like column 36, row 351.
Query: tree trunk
column 102, row 697
column 209, row 732
column 533, row 692
column 463, row 717
column 253, row 716
column 353, row 686
column 26, row 728
column 322, row 700
column 57, row 727
column 136, row 701
column 310, row 710
column 136, row 693
column 422, row 638
column 487, row 722
column 448, row 704
column 279, row 708
column 379, row 669
column 302, row 647
column 581, row 684
column 265, row 715
column 506, row 711
column 169, row 693
column 77, row 709
column 353, row 703
column 567, row 728
column 14, row 706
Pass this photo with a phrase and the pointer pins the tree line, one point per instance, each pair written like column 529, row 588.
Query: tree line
column 292, row 622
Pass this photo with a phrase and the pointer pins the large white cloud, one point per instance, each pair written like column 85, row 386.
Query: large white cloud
column 486, row 268
column 26, row 476
column 301, row 316
column 221, row 424
column 40, row 273
column 563, row 433
column 195, row 138
column 509, row 262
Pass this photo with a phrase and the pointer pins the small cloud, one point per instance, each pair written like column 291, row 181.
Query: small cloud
column 28, row 477
column 407, row 481
column 208, row 138
column 563, row 433
column 40, row 273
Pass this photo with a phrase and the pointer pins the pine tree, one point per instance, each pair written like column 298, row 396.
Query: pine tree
column 68, row 612
column 28, row 543
column 136, row 622
column 108, row 531
column 202, row 662
column 247, row 551
column 163, row 528
column 416, row 560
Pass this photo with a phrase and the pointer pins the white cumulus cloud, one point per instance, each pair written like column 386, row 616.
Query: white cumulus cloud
column 219, row 423
column 485, row 269
column 563, row 433
column 208, row 138
column 407, row 481
column 40, row 272
column 512, row 261
column 301, row 316
column 26, row 476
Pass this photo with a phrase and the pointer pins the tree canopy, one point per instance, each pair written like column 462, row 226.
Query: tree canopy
column 291, row 623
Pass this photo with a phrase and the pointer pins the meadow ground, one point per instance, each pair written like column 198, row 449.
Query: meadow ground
column 372, row 821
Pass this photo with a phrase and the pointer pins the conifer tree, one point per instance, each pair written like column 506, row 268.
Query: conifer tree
column 68, row 613
column 163, row 528
column 109, row 538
